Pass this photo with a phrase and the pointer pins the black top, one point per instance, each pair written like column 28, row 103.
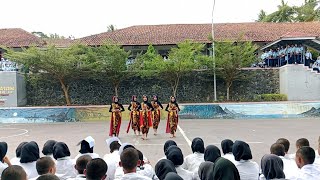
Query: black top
column 159, row 103
column 167, row 108
column 120, row 105
column 148, row 104
column 129, row 108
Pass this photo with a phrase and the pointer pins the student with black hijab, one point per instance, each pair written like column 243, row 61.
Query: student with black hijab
column 166, row 145
column 16, row 160
column 193, row 161
column 145, row 116
column 163, row 167
column 47, row 149
column 157, row 106
column 86, row 148
column 175, row 155
column 242, row 153
column 29, row 157
column 173, row 176
column 205, row 171
column 212, row 153
column 226, row 146
column 64, row 164
column 5, row 162
column 271, row 167
column 225, row 170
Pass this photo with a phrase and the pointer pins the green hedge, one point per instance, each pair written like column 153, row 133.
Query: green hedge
column 271, row 97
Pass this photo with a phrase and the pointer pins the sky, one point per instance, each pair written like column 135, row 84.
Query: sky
column 81, row 18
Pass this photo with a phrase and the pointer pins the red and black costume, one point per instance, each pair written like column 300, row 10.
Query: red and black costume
column 134, row 108
column 173, row 118
column 116, row 108
column 145, row 116
column 156, row 104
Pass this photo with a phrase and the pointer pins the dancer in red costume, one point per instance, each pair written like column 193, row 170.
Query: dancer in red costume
column 116, row 108
column 145, row 117
column 173, row 118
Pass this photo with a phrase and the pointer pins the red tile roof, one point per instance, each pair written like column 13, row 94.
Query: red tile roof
column 59, row 43
column 297, row 35
column 16, row 37
column 175, row 33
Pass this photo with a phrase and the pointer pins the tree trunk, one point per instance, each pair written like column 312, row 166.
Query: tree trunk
column 65, row 91
column 229, row 84
column 116, row 88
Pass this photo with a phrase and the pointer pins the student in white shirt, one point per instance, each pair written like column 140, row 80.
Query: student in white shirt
column 145, row 169
column 96, row 169
column 285, row 142
column 129, row 161
column 14, row 172
column 193, row 161
column 80, row 166
column 47, row 149
column 175, row 155
column 299, row 143
column 206, row 170
column 212, row 153
column 271, row 167
column 86, row 148
column 64, row 164
column 5, row 162
column 113, row 158
column 305, row 158
column 163, row 167
column 225, row 170
column 29, row 157
column 226, row 146
column 248, row 170
column 166, row 145
column 16, row 160
column 45, row 165
column 290, row 167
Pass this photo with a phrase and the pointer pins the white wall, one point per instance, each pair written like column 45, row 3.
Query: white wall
column 299, row 83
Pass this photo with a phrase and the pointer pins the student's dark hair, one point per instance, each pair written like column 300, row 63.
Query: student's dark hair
column 82, row 162
column 302, row 142
column 114, row 146
column 226, row 146
column 129, row 158
column 44, row 164
column 307, row 154
column 277, row 149
column 18, row 150
column 48, row 177
column 285, row 143
column 13, row 172
column 96, row 169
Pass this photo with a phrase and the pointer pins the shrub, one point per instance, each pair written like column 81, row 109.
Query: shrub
column 271, row 97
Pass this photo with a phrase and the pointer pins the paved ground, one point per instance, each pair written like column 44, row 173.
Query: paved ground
column 259, row 133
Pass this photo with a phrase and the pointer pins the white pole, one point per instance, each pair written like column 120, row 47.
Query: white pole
column 213, row 55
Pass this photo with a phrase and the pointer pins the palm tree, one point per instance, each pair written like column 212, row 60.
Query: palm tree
column 285, row 13
column 111, row 28
column 308, row 12
column 261, row 16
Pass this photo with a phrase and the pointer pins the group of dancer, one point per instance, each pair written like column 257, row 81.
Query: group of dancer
column 143, row 116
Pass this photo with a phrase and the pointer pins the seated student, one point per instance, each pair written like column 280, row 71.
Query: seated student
column 225, row 169
column 5, row 162
column 80, row 166
column 163, row 167
column 317, row 160
column 16, row 160
column 290, row 168
column 193, row 161
column 166, row 145
column 64, row 164
column 145, row 169
column 175, row 155
column 212, row 153
column 305, row 158
column 242, row 154
column 45, row 165
column 48, row 177
column 286, row 144
column 86, row 148
column 173, row 176
column 113, row 158
column 47, row 149
column 271, row 167
column 14, row 172
column 205, row 171
column 96, row 169
column 226, row 146
column 300, row 143
column 29, row 157
column 129, row 161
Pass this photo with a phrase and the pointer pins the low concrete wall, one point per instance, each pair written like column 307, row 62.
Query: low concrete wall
column 188, row 111
column 299, row 83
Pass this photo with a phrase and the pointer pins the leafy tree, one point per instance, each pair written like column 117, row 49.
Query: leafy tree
column 40, row 34
column 111, row 61
column 261, row 16
column 230, row 57
column 308, row 11
column 285, row 13
column 111, row 28
column 63, row 65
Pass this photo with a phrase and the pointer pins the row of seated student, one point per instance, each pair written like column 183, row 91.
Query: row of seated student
column 125, row 162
